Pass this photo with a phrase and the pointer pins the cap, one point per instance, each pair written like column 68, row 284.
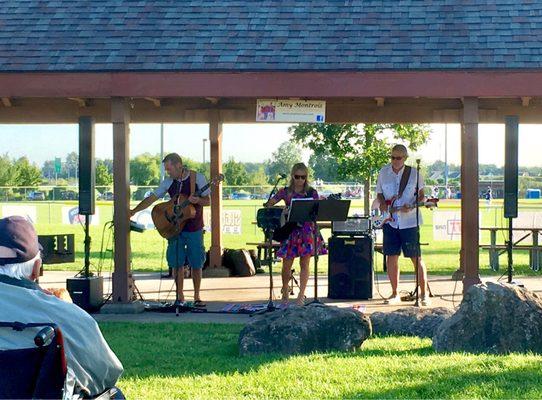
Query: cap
column 18, row 240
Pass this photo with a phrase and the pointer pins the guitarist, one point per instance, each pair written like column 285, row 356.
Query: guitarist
column 300, row 242
column 397, row 183
column 189, row 244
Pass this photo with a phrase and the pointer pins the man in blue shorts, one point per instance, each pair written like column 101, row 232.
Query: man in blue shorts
column 401, row 233
column 188, row 246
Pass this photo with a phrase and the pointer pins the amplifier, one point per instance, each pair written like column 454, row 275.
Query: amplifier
column 87, row 293
column 350, row 268
column 353, row 226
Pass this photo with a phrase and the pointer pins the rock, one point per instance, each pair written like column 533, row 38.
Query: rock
column 494, row 318
column 301, row 330
column 412, row 321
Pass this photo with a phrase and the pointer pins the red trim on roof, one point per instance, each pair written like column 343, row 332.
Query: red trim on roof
column 445, row 84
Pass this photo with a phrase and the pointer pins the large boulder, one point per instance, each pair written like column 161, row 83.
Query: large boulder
column 494, row 318
column 411, row 321
column 300, row 330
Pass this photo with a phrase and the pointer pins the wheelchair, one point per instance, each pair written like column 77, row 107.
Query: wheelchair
column 39, row 369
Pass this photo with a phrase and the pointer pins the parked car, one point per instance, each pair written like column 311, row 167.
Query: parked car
column 35, row 195
column 68, row 195
column 106, row 196
column 240, row 196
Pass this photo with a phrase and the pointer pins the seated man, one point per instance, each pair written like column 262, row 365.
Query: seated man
column 92, row 366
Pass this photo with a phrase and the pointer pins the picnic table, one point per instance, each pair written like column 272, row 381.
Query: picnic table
column 495, row 250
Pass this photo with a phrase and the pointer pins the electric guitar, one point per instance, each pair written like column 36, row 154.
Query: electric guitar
column 171, row 216
column 378, row 221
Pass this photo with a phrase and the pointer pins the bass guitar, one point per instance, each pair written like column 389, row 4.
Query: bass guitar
column 378, row 221
column 171, row 216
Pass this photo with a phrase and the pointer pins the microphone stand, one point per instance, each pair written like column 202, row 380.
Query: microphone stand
column 418, row 247
column 281, row 177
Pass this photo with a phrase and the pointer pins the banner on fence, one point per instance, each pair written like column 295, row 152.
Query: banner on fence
column 28, row 212
column 447, row 225
column 71, row 216
column 231, row 221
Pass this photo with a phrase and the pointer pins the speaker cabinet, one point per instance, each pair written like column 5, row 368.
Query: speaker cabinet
column 350, row 268
column 511, row 166
column 87, row 170
column 87, row 293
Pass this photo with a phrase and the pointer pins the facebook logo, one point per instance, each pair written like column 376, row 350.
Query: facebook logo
column 319, row 118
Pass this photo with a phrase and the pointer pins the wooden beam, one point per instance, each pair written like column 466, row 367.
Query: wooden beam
column 379, row 101
column 331, row 84
column 6, row 101
column 215, row 138
column 80, row 102
column 120, row 117
column 469, row 194
column 155, row 101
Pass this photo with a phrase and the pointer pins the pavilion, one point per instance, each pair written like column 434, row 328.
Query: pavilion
column 209, row 61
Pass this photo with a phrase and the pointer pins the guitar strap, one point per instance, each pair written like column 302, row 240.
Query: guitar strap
column 404, row 180
column 192, row 182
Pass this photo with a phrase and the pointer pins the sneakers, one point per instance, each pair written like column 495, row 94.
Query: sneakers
column 393, row 300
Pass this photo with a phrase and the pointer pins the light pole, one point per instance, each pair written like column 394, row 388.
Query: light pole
column 204, row 141
column 446, row 158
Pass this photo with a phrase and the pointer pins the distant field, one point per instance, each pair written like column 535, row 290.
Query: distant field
column 442, row 257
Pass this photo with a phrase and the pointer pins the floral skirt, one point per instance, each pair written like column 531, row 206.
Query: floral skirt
column 300, row 243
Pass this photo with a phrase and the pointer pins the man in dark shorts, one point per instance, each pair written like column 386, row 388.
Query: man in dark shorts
column 188, row 245
column 401, row 233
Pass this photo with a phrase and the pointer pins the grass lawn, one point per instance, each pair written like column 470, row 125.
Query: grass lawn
column 165, row 361
column 442, row 257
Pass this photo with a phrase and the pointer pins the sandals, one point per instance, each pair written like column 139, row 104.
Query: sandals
column 199, row 303
column 285, row 295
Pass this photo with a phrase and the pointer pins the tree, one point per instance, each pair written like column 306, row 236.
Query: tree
column 283, row 159
column 324, row 167
column 145, row 170
column 103, row 176
column 7, row 171
column 72, row 164
column 26, row 174
column 258, row 177
column 235, row 173
column 359, row 153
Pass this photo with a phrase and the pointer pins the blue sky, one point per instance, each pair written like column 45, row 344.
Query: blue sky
column 244, row 142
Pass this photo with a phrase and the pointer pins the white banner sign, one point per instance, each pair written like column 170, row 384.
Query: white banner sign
column 71, row 216
column 447, row 225
column 28, row 212
column 231, row 221
column 291, row 111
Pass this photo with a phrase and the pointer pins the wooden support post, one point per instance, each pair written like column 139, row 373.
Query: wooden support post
column 122, row 280
column 215, row 138
column 469, row 194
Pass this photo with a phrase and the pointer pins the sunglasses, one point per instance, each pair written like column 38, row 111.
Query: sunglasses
column 300, row 176
column 396, row 158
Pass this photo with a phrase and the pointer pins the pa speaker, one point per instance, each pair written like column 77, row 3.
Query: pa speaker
column 350, row 268
column 511, row 166
column 87, row 170
column 87, row 293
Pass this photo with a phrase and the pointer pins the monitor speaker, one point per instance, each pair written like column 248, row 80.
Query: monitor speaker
column 87, row 169
column 511, row 167
column 350, row 268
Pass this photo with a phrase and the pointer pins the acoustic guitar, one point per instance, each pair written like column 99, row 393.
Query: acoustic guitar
column 171, row 216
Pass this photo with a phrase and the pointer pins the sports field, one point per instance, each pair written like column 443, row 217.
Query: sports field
column 442, row 257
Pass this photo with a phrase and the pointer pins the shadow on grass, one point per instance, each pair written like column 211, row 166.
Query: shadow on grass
column 453, row 383
column 201, row 349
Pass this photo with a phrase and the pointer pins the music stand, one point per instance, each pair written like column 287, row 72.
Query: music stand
column 308, row 210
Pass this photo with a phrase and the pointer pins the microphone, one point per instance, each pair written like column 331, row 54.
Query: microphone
column 418, row 161
column 283, row 176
